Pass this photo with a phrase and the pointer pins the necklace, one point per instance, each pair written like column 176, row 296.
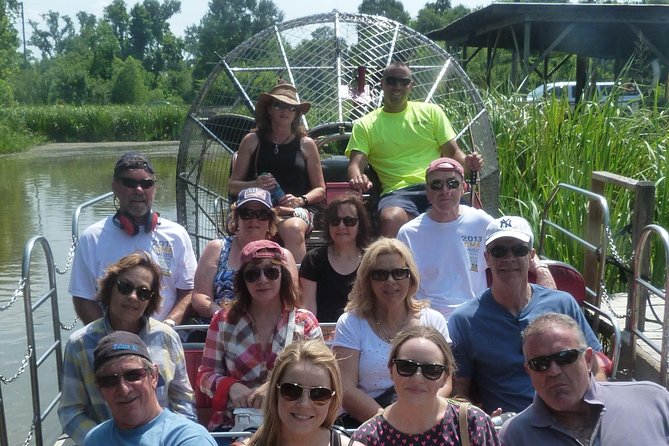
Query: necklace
column 276, row 146
column 384, row 333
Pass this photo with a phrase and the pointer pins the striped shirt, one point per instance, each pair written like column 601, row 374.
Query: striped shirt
column 81, row 404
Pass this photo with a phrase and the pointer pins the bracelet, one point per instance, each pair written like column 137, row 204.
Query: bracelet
column 306, row 202
column 169, row 322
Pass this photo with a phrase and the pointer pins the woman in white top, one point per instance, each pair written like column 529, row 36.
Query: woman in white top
column 381, row 304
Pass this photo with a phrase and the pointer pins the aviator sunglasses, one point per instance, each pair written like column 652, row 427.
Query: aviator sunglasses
column 431, row 371
column 439, row 184
column 565, row 357
column 276, row 105
column 293, row 392
column 253, row 274
column 516, row 250
column 131, row 376
column 131, row 183
column 395, row 81
column 143, row 293
column 250, row 214
column 382, row 274
column 348, row 221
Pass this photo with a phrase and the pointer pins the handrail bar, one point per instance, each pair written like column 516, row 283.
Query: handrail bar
column 77, row 212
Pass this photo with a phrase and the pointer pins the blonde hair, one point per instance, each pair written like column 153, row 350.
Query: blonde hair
column 361, row 300
column 314, row 352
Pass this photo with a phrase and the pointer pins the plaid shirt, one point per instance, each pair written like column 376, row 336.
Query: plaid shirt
column 242, row 357
column 81, row 404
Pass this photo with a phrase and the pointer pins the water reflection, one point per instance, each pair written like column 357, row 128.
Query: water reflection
column 39, row 191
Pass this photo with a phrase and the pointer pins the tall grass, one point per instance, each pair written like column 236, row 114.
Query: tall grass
column 542, row 144
column 95, row 123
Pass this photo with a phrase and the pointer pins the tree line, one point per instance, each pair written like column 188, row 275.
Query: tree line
column 131, row 56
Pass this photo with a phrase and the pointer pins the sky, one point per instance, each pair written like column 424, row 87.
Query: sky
column 193, row 10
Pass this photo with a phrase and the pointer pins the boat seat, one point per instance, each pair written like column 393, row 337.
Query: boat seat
column 193, row 353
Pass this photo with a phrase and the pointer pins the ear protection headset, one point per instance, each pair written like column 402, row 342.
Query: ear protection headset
column 130, row 227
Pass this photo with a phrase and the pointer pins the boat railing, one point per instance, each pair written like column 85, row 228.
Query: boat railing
column 77, row 214
column 642, row 283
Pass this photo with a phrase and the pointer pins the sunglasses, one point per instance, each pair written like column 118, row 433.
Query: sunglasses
column 253, row 274
column 348, row 221
column 516, row 250
column 395, row 81
column 431, row 371
column 250, row 214
column 293, row 392
column 565, row 357
column 276, row 105
column 382, row 274
column 143, row 293
column 439, row 184
column 131, row 376
column 131, row 183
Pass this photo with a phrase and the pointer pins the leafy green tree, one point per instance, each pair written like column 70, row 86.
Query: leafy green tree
column 227, row 24
column 129, row 85
column 53, row 40
column 392, row 9
column 437, row 15
column 151, row 40
column 118, row 18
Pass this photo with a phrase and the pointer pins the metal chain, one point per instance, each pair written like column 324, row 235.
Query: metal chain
column 621, row 261
column 19, row 290
column 22, row 368
column 70, row 256
column 30, row 435
column 71, row 326
column 609, row 302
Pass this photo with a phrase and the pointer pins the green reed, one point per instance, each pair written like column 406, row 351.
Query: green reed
column 95, row 123
column 542, row 144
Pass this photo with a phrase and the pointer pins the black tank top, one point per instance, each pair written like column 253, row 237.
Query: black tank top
column 288, row 166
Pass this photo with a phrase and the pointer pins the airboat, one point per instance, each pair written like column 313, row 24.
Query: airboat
column 336, row 60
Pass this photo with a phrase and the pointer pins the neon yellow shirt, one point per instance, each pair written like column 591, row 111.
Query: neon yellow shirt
column 400, row 146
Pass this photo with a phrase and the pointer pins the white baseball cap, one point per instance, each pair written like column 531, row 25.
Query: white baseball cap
column 510, row 226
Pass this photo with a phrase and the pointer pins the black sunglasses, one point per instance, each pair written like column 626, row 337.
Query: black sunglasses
column 431, row 371
column 439, row 184
column 394, row 81
column 131, row 376
column 293, row 392
column 143, row 293
column 348, row 221
column 382, row 274
column 131, row 183
column 565, row 357
column 516, row 250
column 258, row 214
column 253, row 274
column 276, row 105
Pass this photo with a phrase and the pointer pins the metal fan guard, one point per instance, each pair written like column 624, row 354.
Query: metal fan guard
column 336, row 61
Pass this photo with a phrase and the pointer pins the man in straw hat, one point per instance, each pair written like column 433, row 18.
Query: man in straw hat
column 278, row 156
column 398, row 141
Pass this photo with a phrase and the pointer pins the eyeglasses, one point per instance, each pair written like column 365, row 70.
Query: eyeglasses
column 348, row 221
column 395, row 81
column 293, row 392
column 382, row 274
column 143, row 293
column 131, row 183
column 258, row 214
column 439, row 184
column 253, row 274
column 131, row 376
column 431, row 371
column 516, row 250
column 565, row 357
column 276, row 105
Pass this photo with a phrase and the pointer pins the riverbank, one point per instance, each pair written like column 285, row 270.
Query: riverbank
column 61, row 149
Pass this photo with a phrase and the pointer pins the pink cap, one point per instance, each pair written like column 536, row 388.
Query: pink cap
column 446, row 165
column 262, row 249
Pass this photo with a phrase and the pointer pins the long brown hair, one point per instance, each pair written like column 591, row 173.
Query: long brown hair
column 314, row 352
column 364, row 225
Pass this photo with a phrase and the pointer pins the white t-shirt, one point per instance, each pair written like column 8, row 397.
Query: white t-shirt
column 449, row 257
column 355, row 333
column 104, row 243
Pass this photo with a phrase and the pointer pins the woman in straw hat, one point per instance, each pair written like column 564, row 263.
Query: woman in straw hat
column 278, row 156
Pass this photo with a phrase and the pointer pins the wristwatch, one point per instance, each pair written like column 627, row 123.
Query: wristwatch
column 306, row 202
column 170, row 322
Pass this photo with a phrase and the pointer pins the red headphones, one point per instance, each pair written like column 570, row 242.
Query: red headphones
column 130, row 227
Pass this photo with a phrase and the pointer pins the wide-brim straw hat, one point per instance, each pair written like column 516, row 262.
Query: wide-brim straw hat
column 283, row 92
